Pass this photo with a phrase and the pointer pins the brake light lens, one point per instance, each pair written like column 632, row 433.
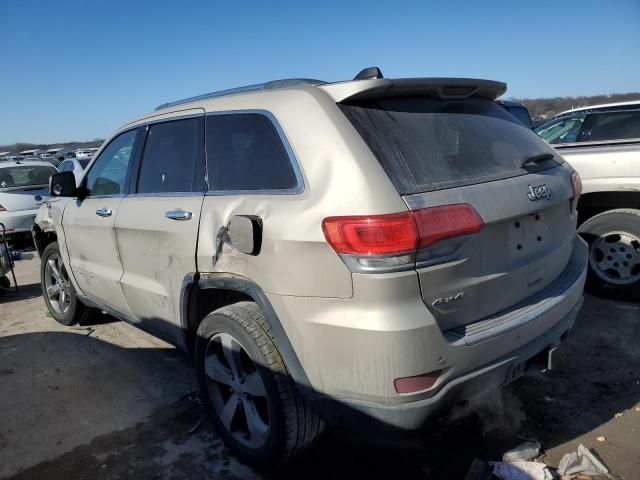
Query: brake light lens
column 371, row 235
column 399, row 233
column 576, row 185
column 448, row 221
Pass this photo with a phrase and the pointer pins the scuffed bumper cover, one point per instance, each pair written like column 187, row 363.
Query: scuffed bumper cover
column 362, row 415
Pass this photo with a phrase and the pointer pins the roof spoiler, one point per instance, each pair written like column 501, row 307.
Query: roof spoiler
column 440, row 88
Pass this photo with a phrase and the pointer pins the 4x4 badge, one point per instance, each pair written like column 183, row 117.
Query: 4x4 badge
column 541, row 191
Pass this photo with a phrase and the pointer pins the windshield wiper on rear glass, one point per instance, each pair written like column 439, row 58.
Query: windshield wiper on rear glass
column 540, row 157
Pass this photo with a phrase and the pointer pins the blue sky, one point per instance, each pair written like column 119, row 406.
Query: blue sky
column 75, row 70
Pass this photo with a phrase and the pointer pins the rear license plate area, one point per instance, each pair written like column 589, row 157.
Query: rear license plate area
column 527, row 234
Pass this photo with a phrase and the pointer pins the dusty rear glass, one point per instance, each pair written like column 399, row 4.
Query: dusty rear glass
column 425, row 144
column 25, row 175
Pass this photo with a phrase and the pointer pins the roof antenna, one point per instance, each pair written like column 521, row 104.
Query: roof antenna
column 370, row 73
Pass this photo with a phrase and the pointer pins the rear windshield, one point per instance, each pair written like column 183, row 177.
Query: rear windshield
column 25, row 175
column 425, row 144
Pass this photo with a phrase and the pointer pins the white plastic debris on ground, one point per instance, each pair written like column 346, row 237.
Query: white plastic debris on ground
column 516, row 465
column 523, row 452
column 521, row 471
column 581, row 462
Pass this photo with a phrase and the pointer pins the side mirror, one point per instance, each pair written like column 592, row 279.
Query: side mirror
column 245, row 233
column 63, row 184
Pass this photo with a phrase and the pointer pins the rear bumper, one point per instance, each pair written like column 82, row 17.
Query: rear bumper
column 364, row 415
column 352, row 350
column 19, row 222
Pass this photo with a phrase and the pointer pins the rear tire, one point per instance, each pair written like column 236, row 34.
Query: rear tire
column 614, row 253
column 58, row 291
column 291, row 425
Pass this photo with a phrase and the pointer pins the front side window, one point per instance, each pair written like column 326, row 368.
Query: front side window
column 245, row 152
column 173, row 159
column 601, row 127
column 109, row 173
column 562, row 130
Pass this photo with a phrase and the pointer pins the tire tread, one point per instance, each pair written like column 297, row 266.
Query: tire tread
column 303, row 425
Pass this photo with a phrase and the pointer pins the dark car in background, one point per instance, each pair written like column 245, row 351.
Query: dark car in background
column 518, row 110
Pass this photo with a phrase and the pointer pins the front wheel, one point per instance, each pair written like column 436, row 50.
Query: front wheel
column 614, row 253
column 247, row 391
column 59, row 294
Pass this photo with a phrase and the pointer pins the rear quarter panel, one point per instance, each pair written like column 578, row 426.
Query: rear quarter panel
column 341, row 177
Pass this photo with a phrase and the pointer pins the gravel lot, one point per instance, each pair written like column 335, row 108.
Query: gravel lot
column 108, row 401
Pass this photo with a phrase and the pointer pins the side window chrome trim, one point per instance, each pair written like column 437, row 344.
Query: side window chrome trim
column 166, row 194
column 300, row 185
column 91, row 197
column 151, row 121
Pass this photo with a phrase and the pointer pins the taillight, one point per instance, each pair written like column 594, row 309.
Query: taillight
column 371, row 235
column 2, row 209
column 438, row 223
column 576, row 185
column 390, row 242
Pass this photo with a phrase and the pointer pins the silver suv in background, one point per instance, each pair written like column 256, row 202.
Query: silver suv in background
column 603, row 144
column 354, row 253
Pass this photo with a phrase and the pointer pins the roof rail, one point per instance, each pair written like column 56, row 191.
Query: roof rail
column 272, row 85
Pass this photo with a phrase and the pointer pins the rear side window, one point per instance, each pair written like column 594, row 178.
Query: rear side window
column 425, row 144
column 245, row 152
column 173, row 159
column 611, row 126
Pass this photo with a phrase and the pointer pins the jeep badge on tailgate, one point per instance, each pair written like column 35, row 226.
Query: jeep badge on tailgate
column 541, row 191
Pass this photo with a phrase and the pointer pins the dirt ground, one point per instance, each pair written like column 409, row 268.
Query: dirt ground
column 108, row 401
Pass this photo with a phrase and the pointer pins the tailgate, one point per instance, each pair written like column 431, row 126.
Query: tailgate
column 524, row 245
column 440, row 151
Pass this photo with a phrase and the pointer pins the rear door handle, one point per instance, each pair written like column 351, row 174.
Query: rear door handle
column 178, row 215
column 103, row 212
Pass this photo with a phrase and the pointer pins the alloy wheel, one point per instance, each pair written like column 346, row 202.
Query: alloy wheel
column 237, row 391
column 57, row 285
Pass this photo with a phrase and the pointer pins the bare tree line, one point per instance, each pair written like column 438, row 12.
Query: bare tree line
column 539, row 108
column 20, row 146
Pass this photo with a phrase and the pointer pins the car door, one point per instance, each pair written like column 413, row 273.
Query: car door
column 157, row 224
column 89, row 223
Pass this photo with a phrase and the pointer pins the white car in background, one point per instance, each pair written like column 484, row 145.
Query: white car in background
column 74, row 165
column 602, row 142
column 24, row 186
column 84, row 154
